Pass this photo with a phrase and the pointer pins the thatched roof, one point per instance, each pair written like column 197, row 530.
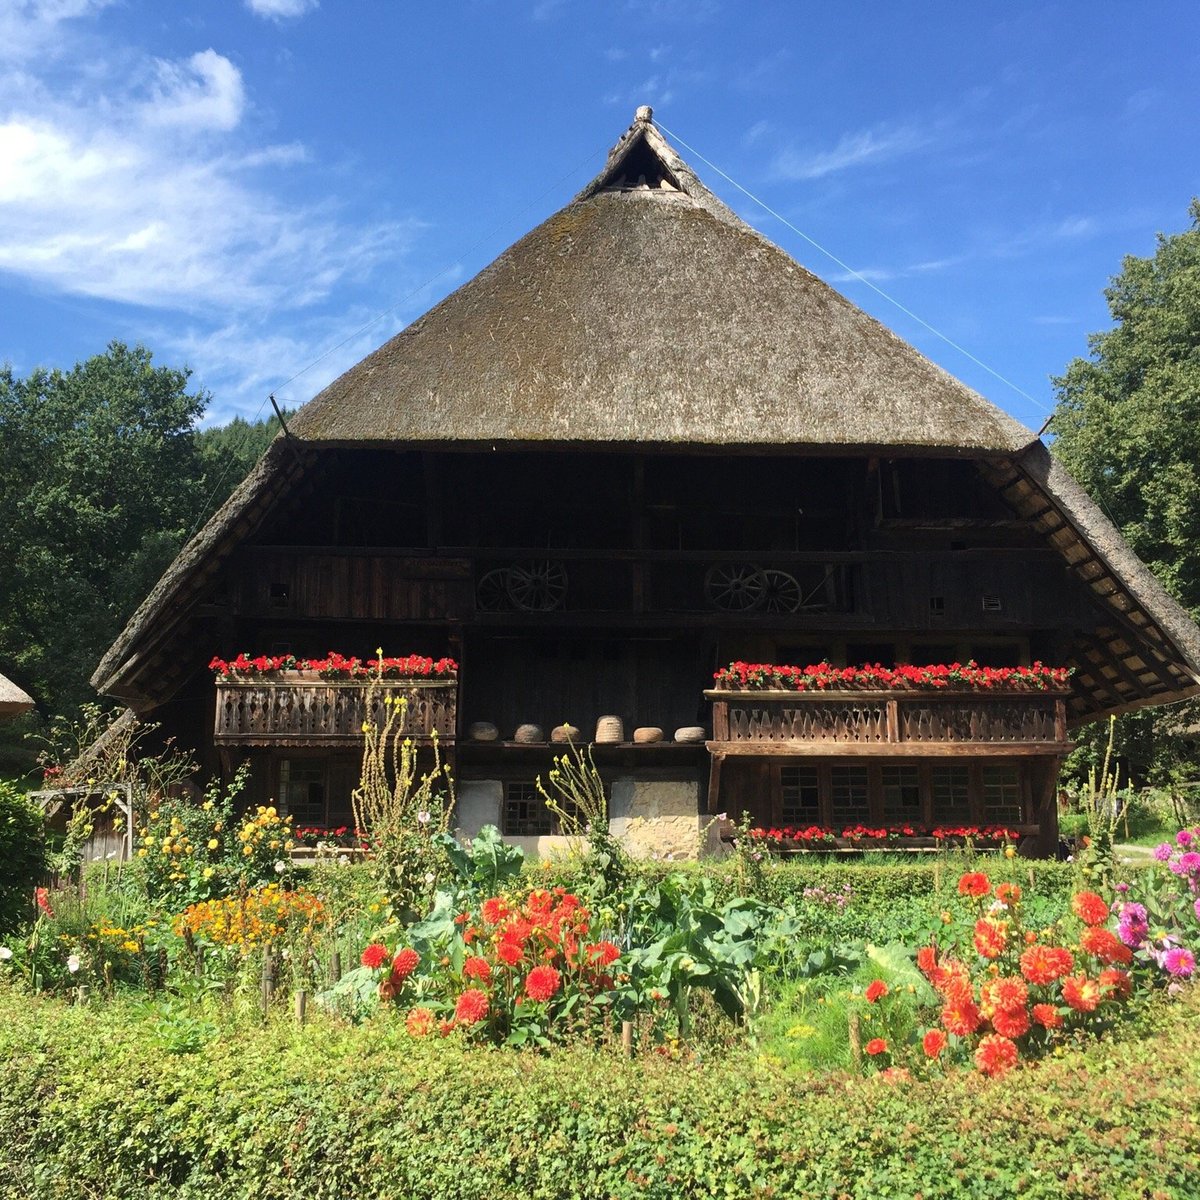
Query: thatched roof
column 647, row 313
column 12, row 699
column 652, row 314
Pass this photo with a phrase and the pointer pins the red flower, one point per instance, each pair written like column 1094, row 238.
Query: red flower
column 990, row 938
column 933, row 1043
column 876, row 1046
column 495, row 910
column 1047, row 1016
column 1044, row 964
column 1006, row 993
column 995, row 1055
column 1008, row 893
column 927, row 959
column 510, row 952
column 1115, row 983
column 1089, row 908
column 419, row 1022
column 1081, row 993
column 375, row 955
column 541, row 983
column 42, row 897
column 477, row 968
column 961, row 1016
column 1105, row 945
column 472, row 1007
column 1011, row 1023
column 875, row 989
column 603, row 953
column 974, row 884
column 404, row 964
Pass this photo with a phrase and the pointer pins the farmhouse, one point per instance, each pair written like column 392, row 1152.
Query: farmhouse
column 642, row 444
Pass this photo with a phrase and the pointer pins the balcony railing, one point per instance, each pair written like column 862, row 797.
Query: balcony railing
column 889, row 723
column 291, row 711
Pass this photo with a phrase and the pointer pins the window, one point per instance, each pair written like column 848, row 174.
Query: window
column 851, row 795
column 525, row 811
column 951, row 795
column 800, row 795
column 1002, row 795
column 302, row 790
column 901, row 794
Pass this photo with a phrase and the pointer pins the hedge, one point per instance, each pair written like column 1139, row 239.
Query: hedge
column 22, row 856
column 92, row 1105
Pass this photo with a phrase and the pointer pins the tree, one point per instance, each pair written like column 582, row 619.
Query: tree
column 1127, row 426
column 101, row 479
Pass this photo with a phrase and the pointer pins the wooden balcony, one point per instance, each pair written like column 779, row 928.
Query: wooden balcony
column 897, row 723
column 292, row 711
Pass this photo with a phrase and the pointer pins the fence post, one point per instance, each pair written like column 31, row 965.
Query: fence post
column 301, row 1006
column 335, row 967
column 268, row 981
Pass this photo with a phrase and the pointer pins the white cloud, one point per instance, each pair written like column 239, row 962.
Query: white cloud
column 278, row 10
column 205, row 92
column 853, row 150
column 31, row 28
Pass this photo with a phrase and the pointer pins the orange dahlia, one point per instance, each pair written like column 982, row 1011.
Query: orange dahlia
column 1008, row 893
column 1089, row 908
column 1006, row 993
column 1116, row 983
column 1044, row 964
column 927, row 959
column 1011, row 1023
column 1047, row 1016
column 961, row 1017
column 975, row 884
column 1105, row 945
column 1081, row 993
column 933, row 1043
column 995, row 1055
column 990, row 938
column 419, row 1022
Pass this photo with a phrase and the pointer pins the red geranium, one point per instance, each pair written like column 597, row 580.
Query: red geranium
column 375, row 955
column 541, row 983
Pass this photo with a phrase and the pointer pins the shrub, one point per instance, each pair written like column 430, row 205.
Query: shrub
column 22, row 856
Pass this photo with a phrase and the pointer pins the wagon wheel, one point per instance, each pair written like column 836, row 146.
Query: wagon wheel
column 781, row 592
column 735, row 587
column 491, row 593
column 537, row 586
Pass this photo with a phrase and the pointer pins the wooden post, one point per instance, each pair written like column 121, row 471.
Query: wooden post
column 627, row 1038
column 268, row 980
column 301, row 1006
column 108, row 979
column 855, row 1042
column 82, row 994
column 335, row 967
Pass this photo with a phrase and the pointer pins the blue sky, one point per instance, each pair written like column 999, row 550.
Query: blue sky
column 242, row 185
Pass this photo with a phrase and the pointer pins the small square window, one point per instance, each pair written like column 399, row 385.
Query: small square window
column 800, row 795
column 525, row 811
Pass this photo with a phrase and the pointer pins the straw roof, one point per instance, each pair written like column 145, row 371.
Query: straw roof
column 647, row 314
column 12, row 699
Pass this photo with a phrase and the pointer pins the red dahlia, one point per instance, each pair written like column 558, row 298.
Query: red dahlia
column 477, row 968
column 1089, row 908
column 472, row 1007
column 419, row 1022
column 933, row 1043
column 1047, row 1016
column 990, row 938
column 375, row 955
column 876, row 1046
column 1105, row 945
column 1011, row 1023
column 404, row 964
column 541, row 983
column 1081, row 993
column 995, row 1055
column 875, row 989
column 974, row 883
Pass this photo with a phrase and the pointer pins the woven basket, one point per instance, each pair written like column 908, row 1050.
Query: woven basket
column 647, row 735
column 561, row 734
column 482, row 731
column 610, row 729
column 690, row 733
column 527, row 735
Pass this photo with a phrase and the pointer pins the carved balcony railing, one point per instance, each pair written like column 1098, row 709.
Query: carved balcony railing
column 289, row 710
column 889, row 723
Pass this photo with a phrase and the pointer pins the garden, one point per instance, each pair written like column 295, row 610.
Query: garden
column 220, row 1017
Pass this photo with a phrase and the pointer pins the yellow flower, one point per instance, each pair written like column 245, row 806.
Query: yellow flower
column 213, row 843
column 142, row 853
column 208, row 872
column 247, row 850
column 207, row 806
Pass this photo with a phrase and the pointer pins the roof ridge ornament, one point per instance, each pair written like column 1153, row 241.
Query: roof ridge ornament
column 644, row 115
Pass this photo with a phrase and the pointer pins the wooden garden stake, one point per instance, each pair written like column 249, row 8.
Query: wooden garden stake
column 627, row 1038
column 82, row 994
column 855, row 1041
column 268, row 981
column 335, row 967
column 301, row 1006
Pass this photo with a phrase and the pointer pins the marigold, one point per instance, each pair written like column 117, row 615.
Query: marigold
column 1044, row 964
column 990, row 938
column 1081, row 993
column 995, row 1055
column 876, row 1046
column 419, row 1022
column 541, row 983
column 975, row 884
column 1105, row 945
column 933, row 1043
column 375, row 955
column 961, row 1016
column 1047, row 1016
column 1089, row 908
column 1011, row 1023
column 472, row 1007
column 875, row 990
column 404, row 964
column 477, row 968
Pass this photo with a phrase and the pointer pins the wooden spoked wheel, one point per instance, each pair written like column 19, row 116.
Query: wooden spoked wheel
column 537, row 586
column 491, row 593
column 781, row 592
column 735, row 587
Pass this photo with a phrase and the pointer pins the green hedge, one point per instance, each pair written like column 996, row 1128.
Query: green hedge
column 91, row 1106
column 22, row 856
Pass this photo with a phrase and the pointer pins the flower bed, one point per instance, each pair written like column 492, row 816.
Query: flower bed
column 336, row 666
column 822, row 677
